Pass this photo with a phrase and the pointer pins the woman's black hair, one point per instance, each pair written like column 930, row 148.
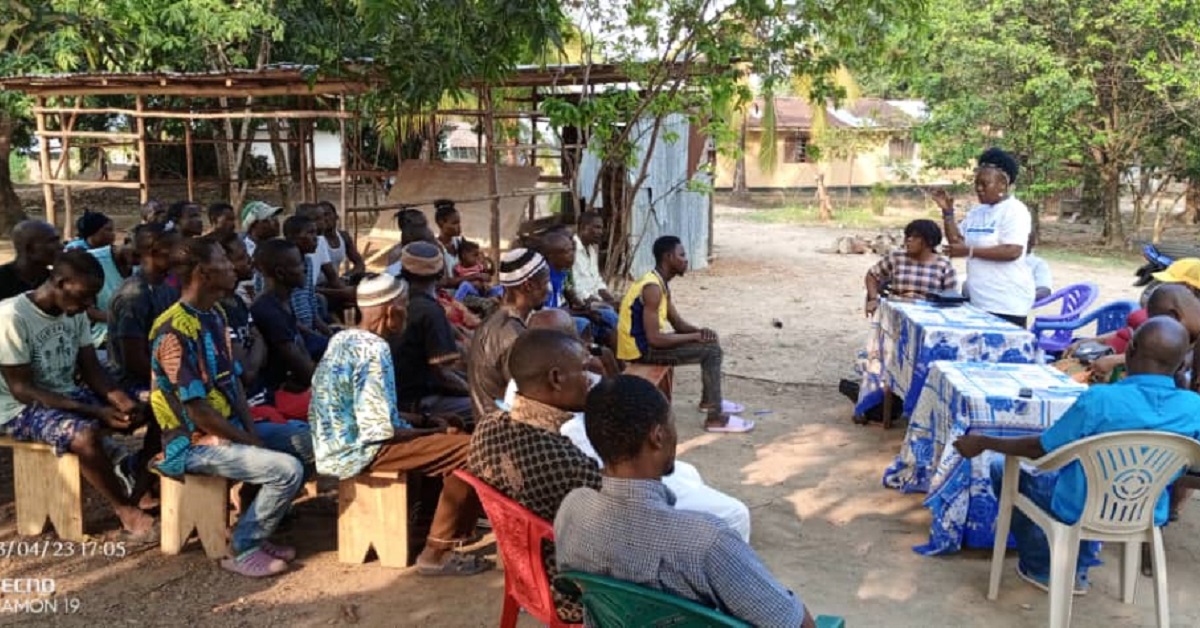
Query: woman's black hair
column 995, row 157
column 443, row 208
column 89, row 222
column 927, row 230
column 410, row 217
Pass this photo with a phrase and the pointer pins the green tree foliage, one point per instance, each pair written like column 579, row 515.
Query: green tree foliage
column 692, row 58
column 428, row 48
column 1060, row 84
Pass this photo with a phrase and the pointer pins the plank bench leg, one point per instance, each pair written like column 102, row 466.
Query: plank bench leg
column 199, row 503
column 373, row 512
column 46, row 486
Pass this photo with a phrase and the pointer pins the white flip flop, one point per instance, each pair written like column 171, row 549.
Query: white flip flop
column 734, row 425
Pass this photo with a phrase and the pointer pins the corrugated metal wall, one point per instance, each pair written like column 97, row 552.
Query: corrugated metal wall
column 664, row 205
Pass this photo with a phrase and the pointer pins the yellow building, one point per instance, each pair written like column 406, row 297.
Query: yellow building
column 875, row 135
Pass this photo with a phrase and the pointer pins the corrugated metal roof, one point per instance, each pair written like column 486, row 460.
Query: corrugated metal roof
column 796, row 113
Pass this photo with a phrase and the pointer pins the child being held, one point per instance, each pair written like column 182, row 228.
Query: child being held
column 475, row 271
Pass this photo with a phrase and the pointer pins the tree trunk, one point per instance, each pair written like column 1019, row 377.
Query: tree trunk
column 1192, row 199
column 740, row 189
column 824, row 205
column 11, row 211
column 1091, row 195
column 283, row 168
column 1114, row 231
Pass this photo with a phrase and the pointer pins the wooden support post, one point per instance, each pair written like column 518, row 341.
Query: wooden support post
column 489, row 129
column 191, row 170
column 44, row 162
column 68, row 202
column 345, row 155
column 303, row 153
column 312, row 159
column 143, row 158
column 533, row 140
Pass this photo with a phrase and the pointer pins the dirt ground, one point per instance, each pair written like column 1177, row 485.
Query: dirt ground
column 821, row 520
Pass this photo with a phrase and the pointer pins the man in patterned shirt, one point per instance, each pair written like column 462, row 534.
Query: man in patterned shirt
column 521, row 453
column 199, row 403
column 357, row 427
column 630, row 530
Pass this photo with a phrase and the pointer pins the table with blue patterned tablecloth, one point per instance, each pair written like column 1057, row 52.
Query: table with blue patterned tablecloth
column 906, row 337
column 982, row 398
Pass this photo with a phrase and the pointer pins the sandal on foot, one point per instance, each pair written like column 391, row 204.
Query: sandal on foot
column 254, row 563
column 456, row 564
column 733, row 425
column 282, row 552
column 727, row 407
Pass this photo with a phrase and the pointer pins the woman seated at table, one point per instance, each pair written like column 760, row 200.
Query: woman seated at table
column 993, row 236
column 914, row 272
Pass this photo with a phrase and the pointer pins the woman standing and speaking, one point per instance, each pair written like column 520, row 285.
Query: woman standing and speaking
column 992, row 236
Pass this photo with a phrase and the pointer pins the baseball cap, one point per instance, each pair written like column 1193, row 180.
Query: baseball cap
column 1186, row 271
column 255, row 211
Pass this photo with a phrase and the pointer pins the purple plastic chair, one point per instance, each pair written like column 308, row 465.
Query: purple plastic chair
column 1075, row 300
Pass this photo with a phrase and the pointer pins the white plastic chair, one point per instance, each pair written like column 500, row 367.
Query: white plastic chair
column 1126, row 474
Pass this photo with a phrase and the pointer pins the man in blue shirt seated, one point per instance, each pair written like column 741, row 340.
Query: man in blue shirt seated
column 629, row 529
column 1145, row 400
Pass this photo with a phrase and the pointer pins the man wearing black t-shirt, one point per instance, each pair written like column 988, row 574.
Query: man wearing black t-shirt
column 37, row 244
column 426, row 383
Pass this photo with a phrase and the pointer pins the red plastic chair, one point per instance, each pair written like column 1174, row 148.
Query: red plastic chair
column 519, row 535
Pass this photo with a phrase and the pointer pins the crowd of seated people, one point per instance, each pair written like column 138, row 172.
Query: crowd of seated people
column 226, row 348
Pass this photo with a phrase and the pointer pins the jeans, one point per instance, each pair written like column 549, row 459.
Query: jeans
column 280, row 476
column 435, row 405
column 707, row 355
column 607, row 326
column 1033, row 549
column 292, row 438
column 468, row 289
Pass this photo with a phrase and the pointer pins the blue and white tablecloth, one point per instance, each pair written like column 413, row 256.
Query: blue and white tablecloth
column 906, row 337
column 977, row 397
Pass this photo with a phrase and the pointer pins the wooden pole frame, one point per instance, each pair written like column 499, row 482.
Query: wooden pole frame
column 184, row 115
column 191, row 168
column 44, row 162
column 345, row 155
column 489, row 129
column 143, row 161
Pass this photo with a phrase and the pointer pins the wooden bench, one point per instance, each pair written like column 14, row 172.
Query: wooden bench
column 373, row 512
column 46, row 486
column 198, row 503
column 661, row 375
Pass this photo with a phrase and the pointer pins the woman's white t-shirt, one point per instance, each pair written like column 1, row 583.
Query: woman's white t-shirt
column 999, row 287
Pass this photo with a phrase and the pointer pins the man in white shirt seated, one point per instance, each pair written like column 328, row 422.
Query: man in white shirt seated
column 691, row 493
column 588, row 281
column 1040, row 269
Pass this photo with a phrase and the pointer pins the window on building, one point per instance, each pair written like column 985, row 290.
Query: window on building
column 901, row 149
column 795, row 148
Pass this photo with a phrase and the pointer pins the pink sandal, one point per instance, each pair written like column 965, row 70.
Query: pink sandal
column 254, row 564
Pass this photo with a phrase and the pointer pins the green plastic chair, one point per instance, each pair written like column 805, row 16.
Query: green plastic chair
column 614, row 603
